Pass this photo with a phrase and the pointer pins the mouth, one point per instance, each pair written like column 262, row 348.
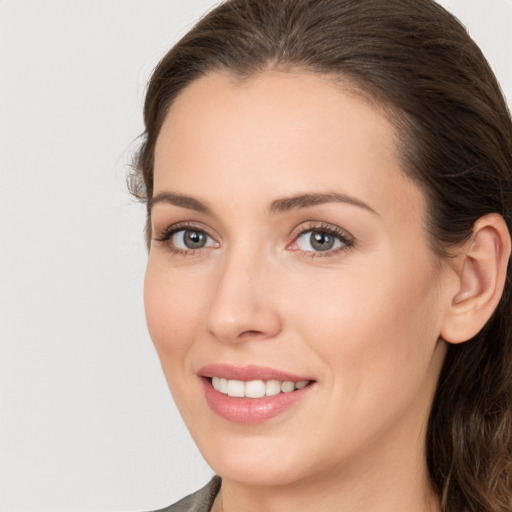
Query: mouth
column 251, row 394
column 255, row 388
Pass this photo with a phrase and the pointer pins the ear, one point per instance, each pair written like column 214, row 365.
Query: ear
column 481, row 269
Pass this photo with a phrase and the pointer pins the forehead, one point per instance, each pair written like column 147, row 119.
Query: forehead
column 278, row 133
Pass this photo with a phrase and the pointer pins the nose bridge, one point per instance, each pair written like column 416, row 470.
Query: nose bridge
column 242, row 306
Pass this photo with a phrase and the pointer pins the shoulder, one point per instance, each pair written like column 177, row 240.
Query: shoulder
column 199, row 501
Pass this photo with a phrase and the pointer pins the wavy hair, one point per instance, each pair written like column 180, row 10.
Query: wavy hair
column 415, row 59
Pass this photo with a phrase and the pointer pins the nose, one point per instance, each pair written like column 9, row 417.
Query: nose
column 243, row 304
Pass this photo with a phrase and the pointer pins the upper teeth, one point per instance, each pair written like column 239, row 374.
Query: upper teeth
column 255, row 388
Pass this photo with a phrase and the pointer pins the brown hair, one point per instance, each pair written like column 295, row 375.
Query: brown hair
column 455, row 132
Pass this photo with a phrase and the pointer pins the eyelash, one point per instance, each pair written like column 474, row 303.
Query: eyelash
column 346, row 240
column 166, row 235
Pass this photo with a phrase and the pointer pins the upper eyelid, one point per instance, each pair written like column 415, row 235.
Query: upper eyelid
column 183, row 225
column 322, row 226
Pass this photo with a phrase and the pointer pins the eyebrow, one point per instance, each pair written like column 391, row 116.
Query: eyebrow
column 180, row 200
column 281, row 205
column 312, row 199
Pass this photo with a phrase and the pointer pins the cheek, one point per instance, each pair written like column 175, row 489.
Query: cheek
column 173, row 310
column 374, row 327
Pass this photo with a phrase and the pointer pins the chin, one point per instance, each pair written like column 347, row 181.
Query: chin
column 262, row 474
column 254, row 460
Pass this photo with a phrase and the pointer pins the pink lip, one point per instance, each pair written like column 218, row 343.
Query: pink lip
column 247, row 373
column 249, row 410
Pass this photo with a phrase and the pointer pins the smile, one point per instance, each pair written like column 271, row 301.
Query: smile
column 255, row 388
column 252, row 394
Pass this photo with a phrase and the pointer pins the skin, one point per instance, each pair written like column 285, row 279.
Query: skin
column 363, row 321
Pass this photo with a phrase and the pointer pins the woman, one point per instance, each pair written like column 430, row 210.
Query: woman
column 329, row 192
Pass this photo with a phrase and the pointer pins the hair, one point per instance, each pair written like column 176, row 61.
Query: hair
column 455, row 140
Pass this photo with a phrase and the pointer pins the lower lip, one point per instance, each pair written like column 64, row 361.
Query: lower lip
column 250, row 410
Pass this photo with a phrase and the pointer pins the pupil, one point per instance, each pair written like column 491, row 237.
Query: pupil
column 322, row 241
column 194, row 239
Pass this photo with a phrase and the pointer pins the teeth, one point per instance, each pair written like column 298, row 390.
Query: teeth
column 287, row 386
column 272, row 387
column 223, row 386
column 255, row 388
column 236, row 388
column 220, row 384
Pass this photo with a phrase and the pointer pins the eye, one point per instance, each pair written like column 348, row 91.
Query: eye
column 321, row 239
column 318, row 241
column 190, row 239
column 185, row 239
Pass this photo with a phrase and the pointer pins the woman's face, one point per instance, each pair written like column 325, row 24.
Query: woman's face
column 288, row 246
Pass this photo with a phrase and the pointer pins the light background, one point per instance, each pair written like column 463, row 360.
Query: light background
column 87, row 423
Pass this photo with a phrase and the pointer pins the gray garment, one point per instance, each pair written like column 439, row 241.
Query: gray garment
column 199, row 501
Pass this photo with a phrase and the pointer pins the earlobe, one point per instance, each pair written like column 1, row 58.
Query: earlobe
column 482, row 271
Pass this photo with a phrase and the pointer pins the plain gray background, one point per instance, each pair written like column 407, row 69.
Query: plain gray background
column 87, row 423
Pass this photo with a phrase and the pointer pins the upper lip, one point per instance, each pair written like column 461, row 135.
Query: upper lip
column 247, row 373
